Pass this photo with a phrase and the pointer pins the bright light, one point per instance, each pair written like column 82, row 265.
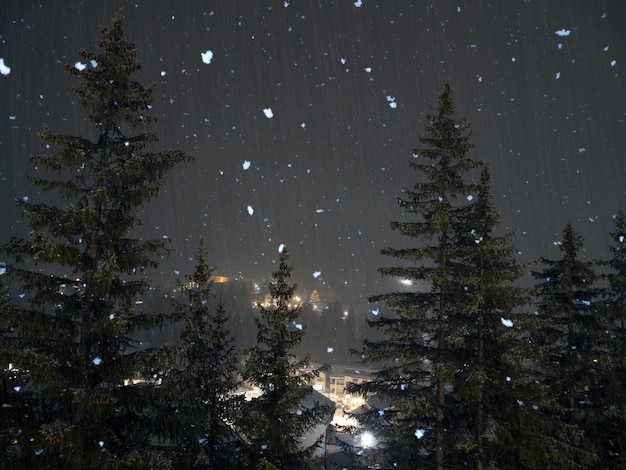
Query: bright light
column 367, row 439
column 406, row 282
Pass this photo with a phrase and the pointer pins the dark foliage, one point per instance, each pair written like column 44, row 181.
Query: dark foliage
column 201, row 380
column 419, row 353
column 608, row 395
column 80, row 272
column 274, row 423
column 565, row 346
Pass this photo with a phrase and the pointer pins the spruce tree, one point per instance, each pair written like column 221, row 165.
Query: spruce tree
column 274, row 423
column 610, row 392
column 419, row 354
column 564, row 345
column 202, row 380
column 486, row 334
column 81, row 270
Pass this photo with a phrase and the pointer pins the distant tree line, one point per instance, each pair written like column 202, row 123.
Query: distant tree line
column 474, row 370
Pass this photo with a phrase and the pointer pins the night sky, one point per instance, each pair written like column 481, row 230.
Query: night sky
column 301, row 116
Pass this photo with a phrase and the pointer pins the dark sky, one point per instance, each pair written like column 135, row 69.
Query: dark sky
column 348, row 84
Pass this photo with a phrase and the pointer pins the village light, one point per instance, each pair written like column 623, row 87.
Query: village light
column 367, row 439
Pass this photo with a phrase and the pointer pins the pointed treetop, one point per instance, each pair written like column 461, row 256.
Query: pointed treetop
column 572, row 241
column 107, row 93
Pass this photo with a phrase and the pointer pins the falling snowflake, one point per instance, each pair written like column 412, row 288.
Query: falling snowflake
column 4, row 69
column 268, row 113
column 207, row 57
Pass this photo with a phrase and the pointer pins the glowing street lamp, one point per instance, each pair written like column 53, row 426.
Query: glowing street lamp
column 367, row 440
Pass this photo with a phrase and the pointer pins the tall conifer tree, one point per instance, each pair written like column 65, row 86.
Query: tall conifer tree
column 419, row 355
column 275, row 422
column 564, row 344
column 202, row 380
column 610, row 393
column 81, row 271
column 486, row 337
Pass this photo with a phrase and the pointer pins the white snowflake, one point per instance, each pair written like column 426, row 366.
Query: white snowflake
column 207, row 56
column 4, row 69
